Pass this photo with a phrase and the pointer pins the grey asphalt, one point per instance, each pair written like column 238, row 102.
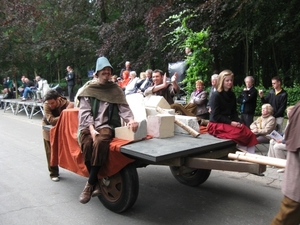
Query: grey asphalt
column 28, row 196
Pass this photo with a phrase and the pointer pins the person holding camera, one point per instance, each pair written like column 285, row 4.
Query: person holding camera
column 277, row 98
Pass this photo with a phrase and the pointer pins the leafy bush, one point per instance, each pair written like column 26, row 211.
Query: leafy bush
column 198, row 63
column 183, row 36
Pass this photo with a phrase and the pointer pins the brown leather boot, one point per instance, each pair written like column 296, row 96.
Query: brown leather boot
column 97, row 189
column 85, row 195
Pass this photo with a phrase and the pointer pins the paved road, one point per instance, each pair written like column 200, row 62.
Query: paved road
column 28, row 196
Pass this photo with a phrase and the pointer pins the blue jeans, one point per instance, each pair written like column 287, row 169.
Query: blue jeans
column 26, row 91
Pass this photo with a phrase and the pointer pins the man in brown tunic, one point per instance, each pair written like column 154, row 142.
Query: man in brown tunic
column 53, row 106
column 161, row 87
column 101, row 106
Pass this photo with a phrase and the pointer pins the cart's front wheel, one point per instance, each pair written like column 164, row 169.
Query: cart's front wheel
column 120, row 191
column 189, row 176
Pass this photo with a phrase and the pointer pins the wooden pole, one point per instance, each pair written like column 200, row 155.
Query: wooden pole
column 259, row 156
column 264, row 160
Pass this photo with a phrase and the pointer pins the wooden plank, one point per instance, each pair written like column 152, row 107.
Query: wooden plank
column 227, row 165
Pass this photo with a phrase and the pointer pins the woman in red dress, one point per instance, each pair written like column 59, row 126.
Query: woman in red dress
column 224, row 121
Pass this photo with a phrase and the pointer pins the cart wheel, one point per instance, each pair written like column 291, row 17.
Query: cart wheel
column 120, row 191
column 189, row 176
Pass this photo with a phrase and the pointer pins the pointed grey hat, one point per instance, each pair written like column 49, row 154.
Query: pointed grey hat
column 103, row 62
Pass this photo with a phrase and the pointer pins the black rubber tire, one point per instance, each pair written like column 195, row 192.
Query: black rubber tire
column 120, row 191
column 189, row 176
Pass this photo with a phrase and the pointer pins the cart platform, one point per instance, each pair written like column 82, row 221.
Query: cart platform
column 156, row 150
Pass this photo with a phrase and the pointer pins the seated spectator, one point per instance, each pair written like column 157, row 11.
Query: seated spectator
column 277, row 149
column 125, row 80
column 145, row 83
column 130, row 87
column 142, row 78
column 197, row 103
column 7, row 88
column 21, row 85
column 42, row 89
column 140, row 81
column 264, row 124
column 30, row 86
column 224, row 122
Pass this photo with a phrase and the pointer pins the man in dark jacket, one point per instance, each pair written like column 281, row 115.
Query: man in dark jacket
column 277, row 98
column 29, row 86
column 126, row 68
column 247, row 99
column 70, row 78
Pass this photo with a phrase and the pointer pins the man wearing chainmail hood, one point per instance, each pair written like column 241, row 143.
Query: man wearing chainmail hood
column 101, row 106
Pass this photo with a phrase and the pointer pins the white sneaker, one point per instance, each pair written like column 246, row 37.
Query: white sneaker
column 55, row 179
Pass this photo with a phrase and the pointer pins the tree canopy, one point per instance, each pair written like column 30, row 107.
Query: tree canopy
column 257, row 38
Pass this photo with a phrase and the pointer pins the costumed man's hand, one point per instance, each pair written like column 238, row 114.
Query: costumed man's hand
column 133, row 125
column 174, row 77
column 165, row 83
column 93, row 132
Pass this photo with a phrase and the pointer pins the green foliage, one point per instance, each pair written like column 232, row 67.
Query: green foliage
column 182, row 36
column 199, row 62
column 293, row 95
column 255, row 38
column 46, row 36
column 177, row 37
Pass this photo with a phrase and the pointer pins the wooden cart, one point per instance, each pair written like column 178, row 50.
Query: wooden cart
column 190, row 160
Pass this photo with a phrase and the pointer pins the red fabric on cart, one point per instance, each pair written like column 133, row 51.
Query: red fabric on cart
column 66, row 151
column 203, row 130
